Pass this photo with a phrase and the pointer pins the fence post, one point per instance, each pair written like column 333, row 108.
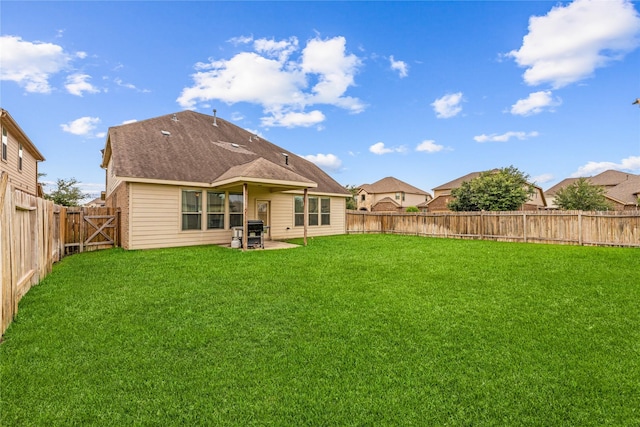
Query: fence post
column 580, row 228
column 524, row 224
column 81, row 230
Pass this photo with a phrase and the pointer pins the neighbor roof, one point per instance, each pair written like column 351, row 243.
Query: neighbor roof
column 391, row 185
column 187, row 147
column 608, row 179
column 458, row 181
column 565, row 182
column 627, row 191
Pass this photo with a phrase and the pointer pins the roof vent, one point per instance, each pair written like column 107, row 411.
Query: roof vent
column 286, row 158
column 174, row 118
column 235, row 145
column 214, row 117
column 165, row 132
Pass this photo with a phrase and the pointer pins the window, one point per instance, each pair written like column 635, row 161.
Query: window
column 19, row 157
column 4, row 144
column 319, row 211
column 215, row 210
column 191, row 210
column 298, row 202
column 325, row 211
column 363, row 197
column 236, row 209
column 313, row 211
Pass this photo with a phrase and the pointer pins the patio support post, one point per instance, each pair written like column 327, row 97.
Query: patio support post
column 306, row 213
column 245, row 221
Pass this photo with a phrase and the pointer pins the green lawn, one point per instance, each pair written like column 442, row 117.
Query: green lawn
column 350, row 330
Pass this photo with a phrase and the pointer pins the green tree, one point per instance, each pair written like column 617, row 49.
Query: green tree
column 351, row 201
column 412, row 209
column 504, row 189
column 66, row 193
column 582, row 196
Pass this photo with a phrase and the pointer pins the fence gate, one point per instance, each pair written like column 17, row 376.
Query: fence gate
column 90, row 229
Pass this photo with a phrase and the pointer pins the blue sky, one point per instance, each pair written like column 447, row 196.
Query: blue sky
column 422, row 91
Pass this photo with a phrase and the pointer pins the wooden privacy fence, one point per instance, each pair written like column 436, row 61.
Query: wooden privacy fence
column 35, row 233
column 90, row 229
column 559, row 227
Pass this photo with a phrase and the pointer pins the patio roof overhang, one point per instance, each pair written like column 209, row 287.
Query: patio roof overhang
column 263, row 173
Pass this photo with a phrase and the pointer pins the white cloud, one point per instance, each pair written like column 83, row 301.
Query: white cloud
column 505, row 137
column 535, row 103
column 400, row 66
column 293, row 119
column 126, row 122
column 631, row 164
column 334, row 70
column 237, row 116
column 379, row 148
column 541, row 179
column 448, row 106
column 282, row 84
column 276, row 49
column 82, row 126
column 240, row 40
column 121, row 83
column 326, row 161
column 29, row 64
column 570, row 42
column 429, row 146
column 78, row 83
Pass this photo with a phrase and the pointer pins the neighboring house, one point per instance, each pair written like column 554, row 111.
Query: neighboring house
column 189, row 178
column 621, row 189
column 19, row 157
column 442, row 195
column 95, row 203
column 389, row 195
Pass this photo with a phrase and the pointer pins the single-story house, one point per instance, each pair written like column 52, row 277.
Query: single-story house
column 189, row 179
column 19, row 156
column 442, row 195
column 389, row 195
column 621, row 189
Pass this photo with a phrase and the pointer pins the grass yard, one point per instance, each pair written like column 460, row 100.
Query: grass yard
column 350, row 330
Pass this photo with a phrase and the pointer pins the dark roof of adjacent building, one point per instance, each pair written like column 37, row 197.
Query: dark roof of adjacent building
column 191, row 147
column 391, row 185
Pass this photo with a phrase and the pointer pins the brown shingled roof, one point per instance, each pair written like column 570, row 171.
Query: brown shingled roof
column 627, row 191
column 187, row 147
column 458, row 181
column 391, row 185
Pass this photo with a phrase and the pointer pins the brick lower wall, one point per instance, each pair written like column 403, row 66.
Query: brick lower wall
column 119, row 199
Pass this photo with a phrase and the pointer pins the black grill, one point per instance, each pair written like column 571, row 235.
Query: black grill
column 255, row 232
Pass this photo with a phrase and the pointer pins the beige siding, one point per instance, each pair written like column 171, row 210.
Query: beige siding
column 282, row 218
column 155, row 218
column 27, row 178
